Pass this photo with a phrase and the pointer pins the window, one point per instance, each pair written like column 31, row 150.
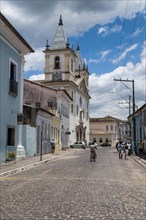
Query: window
column 77, row 110
column 106, row 140
column 57, row 63
column 12, row 71
column 100, row 140
column 111, row 127
column 72, row 63
column 94, row 140
column 49, row 132
column 87, row 116
column 80, row 101
column 72, row 108
column 106, row 127
column 13, row 85
column 64, row 111
column 11, row 137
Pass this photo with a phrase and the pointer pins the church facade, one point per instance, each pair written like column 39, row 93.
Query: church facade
column 66, row 70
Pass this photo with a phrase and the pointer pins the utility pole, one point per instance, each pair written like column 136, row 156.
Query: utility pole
column 133, row 118
column 129, row 104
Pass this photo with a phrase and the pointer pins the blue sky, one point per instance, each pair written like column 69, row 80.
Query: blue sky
column 112, row 39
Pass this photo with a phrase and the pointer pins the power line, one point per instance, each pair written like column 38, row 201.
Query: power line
column 133, row 116
column 131, row 38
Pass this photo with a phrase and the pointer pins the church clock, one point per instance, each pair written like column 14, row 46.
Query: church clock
column 57, row 76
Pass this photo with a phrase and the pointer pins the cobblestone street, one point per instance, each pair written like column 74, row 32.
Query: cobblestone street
column 71, row 187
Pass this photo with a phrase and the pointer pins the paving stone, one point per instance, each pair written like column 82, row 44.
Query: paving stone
column 71, row 187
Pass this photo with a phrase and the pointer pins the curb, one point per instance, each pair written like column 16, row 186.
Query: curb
column 26, row 167
column 142, row 162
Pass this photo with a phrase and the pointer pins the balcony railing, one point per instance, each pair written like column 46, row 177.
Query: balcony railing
column 13, row 87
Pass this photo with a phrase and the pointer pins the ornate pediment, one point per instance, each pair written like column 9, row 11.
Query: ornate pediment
column 82, row 86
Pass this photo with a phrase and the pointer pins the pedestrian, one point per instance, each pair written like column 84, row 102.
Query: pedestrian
column 140, row 147
column 122, row 150
column 129, row 148
column 53, row 145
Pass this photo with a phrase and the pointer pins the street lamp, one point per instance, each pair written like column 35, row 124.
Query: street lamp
column 126, row 102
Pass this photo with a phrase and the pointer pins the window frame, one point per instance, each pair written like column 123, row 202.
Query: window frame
column 11, row 61
column 12, row 136
column 13, row 78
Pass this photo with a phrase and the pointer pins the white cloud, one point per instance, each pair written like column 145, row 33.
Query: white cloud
column 79, row 16
column 103, row 102
column 37, row 77
column 35, row 61
column 102, row 30
column 124, row 54
column 107, row 30
column 137, row 32
column 102, row 54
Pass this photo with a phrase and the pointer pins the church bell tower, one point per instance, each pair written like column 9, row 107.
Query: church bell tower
column 59, row 57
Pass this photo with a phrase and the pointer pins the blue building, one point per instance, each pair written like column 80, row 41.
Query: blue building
column 13, row 47
column 140, row 128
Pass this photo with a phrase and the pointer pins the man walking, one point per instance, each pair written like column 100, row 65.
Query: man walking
column 140, row 147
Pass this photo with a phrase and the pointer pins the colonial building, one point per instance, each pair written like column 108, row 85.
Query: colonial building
column 46, row 109
column 65, row 69
column 108, row 130
column 12, row 49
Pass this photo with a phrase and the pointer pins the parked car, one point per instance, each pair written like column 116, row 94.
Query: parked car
column 105, row 145
column 78, row 144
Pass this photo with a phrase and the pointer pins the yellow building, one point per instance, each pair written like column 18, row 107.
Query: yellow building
column 107, row 130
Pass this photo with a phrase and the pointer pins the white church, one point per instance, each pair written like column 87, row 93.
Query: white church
column 66, row 70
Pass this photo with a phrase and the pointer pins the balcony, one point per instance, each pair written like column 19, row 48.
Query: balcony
column 13, row 87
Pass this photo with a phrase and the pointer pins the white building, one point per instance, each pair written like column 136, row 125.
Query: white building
column 65, row 69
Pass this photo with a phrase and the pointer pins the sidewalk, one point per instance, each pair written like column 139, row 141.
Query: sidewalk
column 141, row 160
column 14, row 167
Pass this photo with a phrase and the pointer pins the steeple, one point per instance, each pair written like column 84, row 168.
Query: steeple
column 59, row 40
column 60, row 21
column 79, row 62
column 78, row 47
column 47, row 45
column 67, row 44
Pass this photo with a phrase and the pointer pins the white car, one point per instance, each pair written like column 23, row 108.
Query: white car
column 78, row 144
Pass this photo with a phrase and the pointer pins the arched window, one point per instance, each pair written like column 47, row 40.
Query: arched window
column 57, row 63
column 72, row 64
column 106, row 140
column 80, row 101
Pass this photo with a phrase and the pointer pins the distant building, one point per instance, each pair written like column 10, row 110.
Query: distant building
column 12, row 49
column 108, row 130
column 65, row 69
